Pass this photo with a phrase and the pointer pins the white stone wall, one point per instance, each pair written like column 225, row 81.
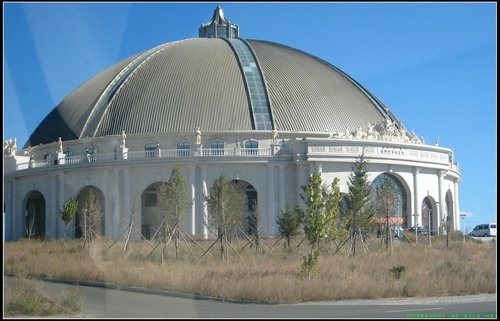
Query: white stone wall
column 423, row 171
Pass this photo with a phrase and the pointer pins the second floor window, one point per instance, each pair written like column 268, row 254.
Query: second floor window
column 251, row 147
column 150, row 149
column 217, row 148
column 183, row 149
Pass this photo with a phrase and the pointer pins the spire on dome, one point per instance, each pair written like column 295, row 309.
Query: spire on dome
column 218, row 27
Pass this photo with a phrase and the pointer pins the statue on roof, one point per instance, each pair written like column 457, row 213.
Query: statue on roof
column 197, row 136
column 276, row 135
column 122, row 145
column 10, row 147
column 60, row 149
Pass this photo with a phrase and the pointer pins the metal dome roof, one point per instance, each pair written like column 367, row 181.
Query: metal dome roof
column 179, row 86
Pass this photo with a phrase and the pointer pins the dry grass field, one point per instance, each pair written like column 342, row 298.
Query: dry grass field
column 272, row 274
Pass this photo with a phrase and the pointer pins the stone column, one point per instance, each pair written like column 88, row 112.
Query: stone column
column 442, row 214
column 116, row 202
column 457, row 208
column 61, row 200
column 416, row 207
column 300, row 181
column 282, row 190
column 204, row 191
column 123, row 218
column 8, row 218
column 271, row 200
column 192, row 189
column 18, row 214
column 52, row 212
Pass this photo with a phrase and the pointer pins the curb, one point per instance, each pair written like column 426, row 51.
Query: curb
column 150, row 291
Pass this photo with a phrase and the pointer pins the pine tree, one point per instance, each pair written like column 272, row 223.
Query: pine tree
column 359, row 212
column 288, row 222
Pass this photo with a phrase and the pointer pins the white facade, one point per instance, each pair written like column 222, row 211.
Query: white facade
column 121, row 172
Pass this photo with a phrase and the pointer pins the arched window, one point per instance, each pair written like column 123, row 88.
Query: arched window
column 68, row 152
column 398, row 207
column 150, row 197
column 251, row 147
column 150, row 149
column 183, row 149
column 217, row 148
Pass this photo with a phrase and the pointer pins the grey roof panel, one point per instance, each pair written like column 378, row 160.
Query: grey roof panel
column 74, row 109
column 194, row 83
column 308, row 94
column 180, row 86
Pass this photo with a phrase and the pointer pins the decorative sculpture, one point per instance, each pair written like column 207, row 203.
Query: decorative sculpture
column 60, row 150
column 197, row 136
column 275, row 135
column 10, row 147
column 122, row 145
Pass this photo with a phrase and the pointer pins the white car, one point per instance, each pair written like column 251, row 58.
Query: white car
column 484, row 230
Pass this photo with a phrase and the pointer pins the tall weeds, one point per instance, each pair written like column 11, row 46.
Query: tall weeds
column 269, row 276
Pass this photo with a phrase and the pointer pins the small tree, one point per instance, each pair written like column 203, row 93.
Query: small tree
column 253, row 223
column 359, row 212
column 226, row 212
column 319, row 218
column 174, row 200
column 68, row 213
column 288, row 222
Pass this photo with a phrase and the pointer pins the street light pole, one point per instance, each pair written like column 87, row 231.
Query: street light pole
column 462, row 216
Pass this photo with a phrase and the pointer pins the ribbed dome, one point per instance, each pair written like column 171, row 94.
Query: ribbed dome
column 206, row 83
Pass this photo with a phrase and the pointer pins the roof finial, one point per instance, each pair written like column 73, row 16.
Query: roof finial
column 218, row 26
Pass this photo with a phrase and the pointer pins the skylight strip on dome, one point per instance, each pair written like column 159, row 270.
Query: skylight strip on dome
column 261, row 112
column 100, row 107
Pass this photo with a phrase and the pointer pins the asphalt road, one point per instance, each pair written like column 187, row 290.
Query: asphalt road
column 102, row 302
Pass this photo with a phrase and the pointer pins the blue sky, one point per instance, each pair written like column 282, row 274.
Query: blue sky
column 432, row 64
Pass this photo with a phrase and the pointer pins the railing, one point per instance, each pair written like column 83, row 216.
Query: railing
column 237, row 152
column 101, row 157
column 158, row 153
column 74, row 159
column 41, row 163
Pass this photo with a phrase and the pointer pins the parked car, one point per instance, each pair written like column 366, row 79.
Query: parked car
column 484, row 230
column 420, row 230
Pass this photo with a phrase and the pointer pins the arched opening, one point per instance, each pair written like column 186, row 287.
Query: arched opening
column 253, row 221
column 152, row 215
column 90, row 212
column 398, row 206
column 34, row 224
column 429, row 215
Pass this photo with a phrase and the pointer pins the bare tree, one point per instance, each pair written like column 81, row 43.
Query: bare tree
column 90, row 217
column 385, row 205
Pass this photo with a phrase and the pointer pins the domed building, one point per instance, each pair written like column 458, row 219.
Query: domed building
column 265, row 115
